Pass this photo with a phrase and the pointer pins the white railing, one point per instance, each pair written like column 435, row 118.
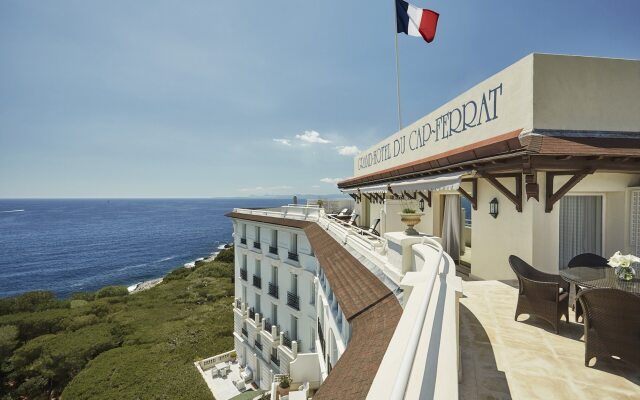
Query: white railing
column 400, row 385
column 291, row 211
column 423, row 353
column 207, row 363
column 351, row 232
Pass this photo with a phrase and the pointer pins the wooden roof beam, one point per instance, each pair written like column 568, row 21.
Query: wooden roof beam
column 551, row 197
column 515, row 198
column 473, row 198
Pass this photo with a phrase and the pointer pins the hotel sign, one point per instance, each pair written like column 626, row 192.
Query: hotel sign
column 457, row 120
column 500, row 104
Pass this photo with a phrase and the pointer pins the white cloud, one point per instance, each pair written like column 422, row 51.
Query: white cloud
column 312, row 137
column 348, row 150
column 331, row 180
column 265, row 189
column 285, row 142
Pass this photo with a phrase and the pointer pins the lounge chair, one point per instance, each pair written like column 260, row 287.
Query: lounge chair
column 372, row 229
column 611, row 324
column 344, row 215
column 544, row 295
column 584, row 260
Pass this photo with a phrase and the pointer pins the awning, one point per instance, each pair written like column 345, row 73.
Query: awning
column 449, row 181
column 367, row 189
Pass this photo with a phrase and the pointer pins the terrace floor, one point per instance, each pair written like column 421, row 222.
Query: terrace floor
column 505, row 359
column 223, row 388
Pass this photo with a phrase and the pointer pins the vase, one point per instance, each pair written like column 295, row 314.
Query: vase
column 625, row 273
column 411, row 219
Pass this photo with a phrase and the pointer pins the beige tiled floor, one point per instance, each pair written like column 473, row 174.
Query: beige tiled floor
column 505, row 359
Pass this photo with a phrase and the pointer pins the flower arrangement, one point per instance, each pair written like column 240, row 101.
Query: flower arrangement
column 618, row 260
column 622, row 264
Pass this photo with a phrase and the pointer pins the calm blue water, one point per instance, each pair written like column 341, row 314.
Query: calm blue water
column 67, row 246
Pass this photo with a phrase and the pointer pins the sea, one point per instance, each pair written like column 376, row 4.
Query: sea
column 68, row 246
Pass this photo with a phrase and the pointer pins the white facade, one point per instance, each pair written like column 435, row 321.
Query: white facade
column 285, row 289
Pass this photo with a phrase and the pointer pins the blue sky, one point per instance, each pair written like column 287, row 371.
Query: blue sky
column 185, row 99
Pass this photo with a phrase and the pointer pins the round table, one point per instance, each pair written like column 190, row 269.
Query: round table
column 599, row 277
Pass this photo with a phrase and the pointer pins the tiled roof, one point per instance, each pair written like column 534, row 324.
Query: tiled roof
column 502, row 144
column 354, row 372
column 582, row 146
column 355, row 287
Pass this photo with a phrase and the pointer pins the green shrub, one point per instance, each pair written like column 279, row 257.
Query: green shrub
column 226, row 255
column 8, row 340
column 178, row 273
column 78, row 303
column 87, row 296
column 140, row 346
column 31, row 301
column 112, row 291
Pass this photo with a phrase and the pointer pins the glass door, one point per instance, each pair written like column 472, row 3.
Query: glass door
column 580, row 227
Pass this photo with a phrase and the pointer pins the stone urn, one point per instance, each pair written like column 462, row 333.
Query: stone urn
column 410, row 219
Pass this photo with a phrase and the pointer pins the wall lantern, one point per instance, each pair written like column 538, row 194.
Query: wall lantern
column 421, row 204
column 493, row 208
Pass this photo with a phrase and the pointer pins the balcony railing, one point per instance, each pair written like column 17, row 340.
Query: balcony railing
column 238, row 304
column 267, row 325
column 258, row 345
column 293, row 256
column 243, row 241
column 243, row 274
column 257, row 282
column 293, row 301
column 256, row 245
column 252, row 313
column 273, row 290
column 286, row 341
column 273, row 250
column 274, row 359
column 244, row 332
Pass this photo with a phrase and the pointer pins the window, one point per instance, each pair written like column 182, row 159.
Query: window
column 274, row 314
column 634, row 222
column 257, row 234
column 258, row 269
column 257, row 307
column 274, row 237
column 244, row 231
column 294, row 243
column 580, row 226
column 294, row 284
column 244, row 261
column 244, row 294
column 313, row 293
column 294, row 328
column 312, row 338
column 274, row 275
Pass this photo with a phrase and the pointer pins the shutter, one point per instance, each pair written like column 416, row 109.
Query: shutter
column 634, row 223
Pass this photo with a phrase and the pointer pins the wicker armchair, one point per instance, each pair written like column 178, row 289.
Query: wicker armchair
column 584, row 260
column 611, row 324
column 544, row 295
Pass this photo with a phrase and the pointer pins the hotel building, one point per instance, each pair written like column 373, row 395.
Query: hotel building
column 546, row 156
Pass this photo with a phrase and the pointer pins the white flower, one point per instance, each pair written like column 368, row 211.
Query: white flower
column 618, row 260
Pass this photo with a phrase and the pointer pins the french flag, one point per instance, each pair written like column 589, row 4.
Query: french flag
column 416, row 21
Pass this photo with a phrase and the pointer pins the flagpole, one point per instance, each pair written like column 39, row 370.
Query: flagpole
column 395, row 35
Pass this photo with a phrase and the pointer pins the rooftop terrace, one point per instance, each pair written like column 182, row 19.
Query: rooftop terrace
column 525, row 359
